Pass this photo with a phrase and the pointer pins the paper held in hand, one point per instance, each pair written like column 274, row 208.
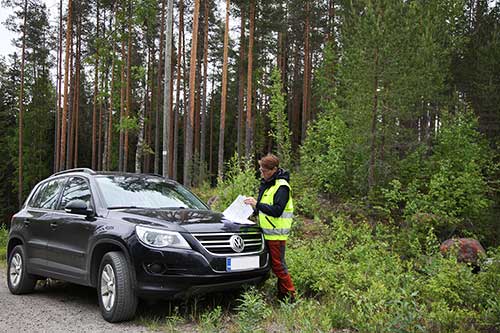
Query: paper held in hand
column 238, row 211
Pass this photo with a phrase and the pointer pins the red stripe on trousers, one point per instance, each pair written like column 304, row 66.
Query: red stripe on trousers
column 278, row 265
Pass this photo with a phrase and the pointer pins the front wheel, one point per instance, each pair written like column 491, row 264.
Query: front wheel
column 117, row 299
column 18, row 279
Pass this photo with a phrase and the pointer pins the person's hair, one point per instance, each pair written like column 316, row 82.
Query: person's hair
column 269, row 162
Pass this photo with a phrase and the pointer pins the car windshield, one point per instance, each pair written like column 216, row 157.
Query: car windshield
column 145, row 192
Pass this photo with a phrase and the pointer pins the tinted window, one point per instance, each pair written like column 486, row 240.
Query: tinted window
column 147, row 192
column 76, row 188
column 50, row 194
column 36, row 197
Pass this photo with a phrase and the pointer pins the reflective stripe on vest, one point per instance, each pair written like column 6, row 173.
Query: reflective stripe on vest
column 276, row 231
column 276, row 228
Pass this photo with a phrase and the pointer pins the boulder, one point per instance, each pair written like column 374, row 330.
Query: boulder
column 468, row 249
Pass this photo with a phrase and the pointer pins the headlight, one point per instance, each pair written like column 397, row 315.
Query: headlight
column 161, row 238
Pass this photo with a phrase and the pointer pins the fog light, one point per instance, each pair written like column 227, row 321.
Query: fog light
column 156, row 268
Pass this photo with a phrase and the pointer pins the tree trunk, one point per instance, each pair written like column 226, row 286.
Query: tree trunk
column 371, row 170
column 188, row 160
column 158, row 101
column 21, row 109
column 71, row 109
column 167, row 90
column 128, row 109
column 248, row 132
column 77, row 86
column 211, row 142
column 122, row 106
column 110, row 112
column 66, row 81
column 204, row 98
column 96, row 91
column 223, row 101
column 241, row 85
column 178, row 89
column 305, row 93
column 59, row 77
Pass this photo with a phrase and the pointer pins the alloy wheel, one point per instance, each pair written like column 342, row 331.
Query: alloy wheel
column 108, row 287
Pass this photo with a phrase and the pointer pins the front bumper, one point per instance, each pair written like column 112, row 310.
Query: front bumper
column 186, row 273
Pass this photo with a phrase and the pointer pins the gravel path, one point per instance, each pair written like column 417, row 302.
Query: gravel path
column 58, row 307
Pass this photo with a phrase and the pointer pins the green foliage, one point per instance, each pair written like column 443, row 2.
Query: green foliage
column 128, row 123
column 279, row 123
column 240, row 179
column 210, row 320
column 358, row 276
column 252, row 311
column 4, row 238
column 450, row 186
column 323, row 156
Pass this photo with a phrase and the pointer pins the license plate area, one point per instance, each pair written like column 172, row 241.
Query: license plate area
column 242, row 263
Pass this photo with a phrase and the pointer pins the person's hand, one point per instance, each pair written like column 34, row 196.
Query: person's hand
column 250, row 201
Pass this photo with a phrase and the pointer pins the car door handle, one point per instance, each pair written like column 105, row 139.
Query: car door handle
column 53, row 225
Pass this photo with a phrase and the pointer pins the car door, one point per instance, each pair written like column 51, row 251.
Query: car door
column 69, row 236
column 36, row 230
column 40, row 211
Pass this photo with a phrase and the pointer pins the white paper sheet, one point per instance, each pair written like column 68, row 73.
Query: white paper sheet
column 238, row 211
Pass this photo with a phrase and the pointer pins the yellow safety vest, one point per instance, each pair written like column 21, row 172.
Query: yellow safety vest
column 276, row 228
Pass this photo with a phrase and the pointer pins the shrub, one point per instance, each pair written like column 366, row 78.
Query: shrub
column 4, row 238
column 252, row 311
column 240, row 179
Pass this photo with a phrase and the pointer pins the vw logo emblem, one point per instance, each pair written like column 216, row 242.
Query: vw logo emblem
column 237, row 243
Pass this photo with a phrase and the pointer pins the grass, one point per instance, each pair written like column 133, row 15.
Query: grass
column 4, row 235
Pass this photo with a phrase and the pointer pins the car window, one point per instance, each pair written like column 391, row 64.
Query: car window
column 50, row 194
column 145, row 192
column 36, row 197
column 76, row 188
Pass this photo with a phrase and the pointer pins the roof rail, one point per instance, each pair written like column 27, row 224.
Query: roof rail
column 86, row 170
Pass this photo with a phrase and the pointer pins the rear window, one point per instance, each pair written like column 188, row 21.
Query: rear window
column 50, row 195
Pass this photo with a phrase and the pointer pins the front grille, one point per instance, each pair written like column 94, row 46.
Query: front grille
column 218, row 243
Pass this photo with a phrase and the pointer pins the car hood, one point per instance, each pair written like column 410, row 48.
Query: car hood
column 181, row 220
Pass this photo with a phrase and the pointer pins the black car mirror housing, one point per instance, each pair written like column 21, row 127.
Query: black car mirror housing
column 79, row 207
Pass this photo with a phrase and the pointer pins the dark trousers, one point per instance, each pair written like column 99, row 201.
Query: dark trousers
column 278, row 265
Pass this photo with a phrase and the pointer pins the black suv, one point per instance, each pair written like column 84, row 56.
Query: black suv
column 130, row 236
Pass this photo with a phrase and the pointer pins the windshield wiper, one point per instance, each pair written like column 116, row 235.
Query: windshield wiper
column 172, row 208
column 127, row 207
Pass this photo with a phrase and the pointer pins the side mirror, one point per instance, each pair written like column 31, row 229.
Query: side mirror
column 78, row 207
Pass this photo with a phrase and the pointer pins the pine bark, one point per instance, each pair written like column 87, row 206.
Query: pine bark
column 167, row 91
column 249, row 125
column 180, row 53
column 77, row 87
column 188, row 160
column 96, row 91
column 128, row 109
column 21, row 109
column 241, row 85
column 160, row 91
column 122, row 106
column 204, row 98
column 220, row 167
column 305, row 93
column 59, row 77
column 66, row 81
column 109, row 141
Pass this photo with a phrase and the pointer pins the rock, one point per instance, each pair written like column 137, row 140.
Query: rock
column 468, row 249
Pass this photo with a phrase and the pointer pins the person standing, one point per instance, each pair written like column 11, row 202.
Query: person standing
column 274, row 205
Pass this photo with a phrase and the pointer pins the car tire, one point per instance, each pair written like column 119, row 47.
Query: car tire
column 19, row 280
column 115, row 291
